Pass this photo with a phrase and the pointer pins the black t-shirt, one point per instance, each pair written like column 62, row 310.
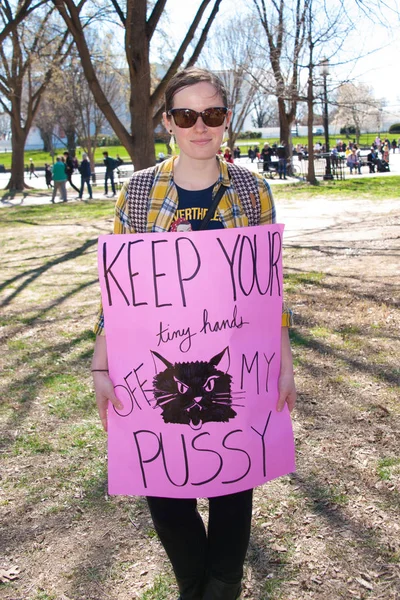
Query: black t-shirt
column 192, row 208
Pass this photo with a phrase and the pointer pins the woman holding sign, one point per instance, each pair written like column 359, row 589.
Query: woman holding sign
column 197, row 190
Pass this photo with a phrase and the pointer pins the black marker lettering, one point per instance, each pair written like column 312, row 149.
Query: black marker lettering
column 236, row 450
column 179, row 265
column 231, row 262
column 141, row 384
column 248, row 369
column 108, row 273
column 132, row 275
column 207, row 450
column 185, row 458
column 246, row 265
column 155, row 274
column 263, row 443
column 130, row 404
column 274, row 261
column 268, row 363
column 148, row 460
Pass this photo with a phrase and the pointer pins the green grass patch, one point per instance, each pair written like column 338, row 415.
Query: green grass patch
column 160, row 590
column 293, row 281
column 42, row 595
column 32, row 443
column 69, row 395
column 371, row 188
column 320, row 332
column 388, row 467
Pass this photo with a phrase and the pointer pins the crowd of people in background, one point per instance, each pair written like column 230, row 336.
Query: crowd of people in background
column 58, row 175
column 377, row 160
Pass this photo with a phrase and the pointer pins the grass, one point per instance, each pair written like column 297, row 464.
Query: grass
column 67, row 534
column 387, row 467
column 374, row 188
column 292, row 281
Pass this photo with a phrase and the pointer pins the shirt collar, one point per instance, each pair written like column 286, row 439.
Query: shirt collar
column 167, row 166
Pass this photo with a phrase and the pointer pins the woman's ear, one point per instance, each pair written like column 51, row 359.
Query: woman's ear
column 166, row 122
column 228, row 118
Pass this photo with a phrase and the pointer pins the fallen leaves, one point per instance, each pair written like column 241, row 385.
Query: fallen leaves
column 9, row 574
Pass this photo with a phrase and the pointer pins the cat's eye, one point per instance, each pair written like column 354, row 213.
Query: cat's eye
column 182, row 387
column 209, row 384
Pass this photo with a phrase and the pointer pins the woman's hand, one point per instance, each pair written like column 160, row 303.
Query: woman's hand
column 286, row 384
column 103, row 386
column 104, row 390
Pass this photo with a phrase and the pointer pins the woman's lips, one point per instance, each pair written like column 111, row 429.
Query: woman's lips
column 201, row 142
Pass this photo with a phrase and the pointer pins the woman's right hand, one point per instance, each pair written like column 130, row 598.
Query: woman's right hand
column 104, row 390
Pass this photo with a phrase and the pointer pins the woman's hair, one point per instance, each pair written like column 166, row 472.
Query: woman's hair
column 191, row 76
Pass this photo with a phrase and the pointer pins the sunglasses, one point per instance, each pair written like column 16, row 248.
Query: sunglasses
column 186, row 117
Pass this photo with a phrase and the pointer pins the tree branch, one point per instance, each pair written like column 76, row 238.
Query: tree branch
column 152, row 21
column 159, row 91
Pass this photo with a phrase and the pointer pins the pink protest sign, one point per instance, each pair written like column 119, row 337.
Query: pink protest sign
column 193, row 328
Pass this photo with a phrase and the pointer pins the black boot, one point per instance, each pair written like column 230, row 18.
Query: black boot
column 190, row 588
column 219, row 590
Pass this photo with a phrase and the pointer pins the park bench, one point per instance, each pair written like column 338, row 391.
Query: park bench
column 272, row 168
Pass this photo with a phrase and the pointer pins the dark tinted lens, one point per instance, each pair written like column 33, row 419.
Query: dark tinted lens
column 184, row 117
column 214, row 117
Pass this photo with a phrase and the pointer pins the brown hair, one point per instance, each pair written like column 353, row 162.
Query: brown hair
column 191, row 76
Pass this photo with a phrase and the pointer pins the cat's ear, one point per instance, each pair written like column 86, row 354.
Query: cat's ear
column 224, row 358
column 158, row 359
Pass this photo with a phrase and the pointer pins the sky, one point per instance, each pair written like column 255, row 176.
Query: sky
column 373, row 47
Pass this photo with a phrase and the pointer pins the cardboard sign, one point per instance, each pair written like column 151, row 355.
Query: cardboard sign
column 193, row 328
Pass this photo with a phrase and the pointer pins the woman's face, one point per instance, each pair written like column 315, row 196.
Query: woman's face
column 198, row 142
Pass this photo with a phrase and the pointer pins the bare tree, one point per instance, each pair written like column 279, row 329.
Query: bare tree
column 357, row 107
column 24, row 9
column 265, row 109
column 27, row 60
column 284, row 25
column 233, row 53
column 145, row 106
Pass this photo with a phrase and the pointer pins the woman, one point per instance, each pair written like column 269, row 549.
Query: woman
column 207, row 565
column 228, row 155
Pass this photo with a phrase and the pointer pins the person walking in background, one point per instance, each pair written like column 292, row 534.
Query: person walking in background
column 266, row 155
column 84, row 170
column 281, row 151
column 60, row 180
column 48, row 175
column 31, row 169
column 110, row 164
column 69, row 168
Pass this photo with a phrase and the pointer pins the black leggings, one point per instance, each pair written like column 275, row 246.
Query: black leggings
column 221, row 551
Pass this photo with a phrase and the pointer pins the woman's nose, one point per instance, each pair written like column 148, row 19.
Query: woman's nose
column 200, row 125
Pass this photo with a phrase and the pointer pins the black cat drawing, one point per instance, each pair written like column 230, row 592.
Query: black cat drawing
column 193, row 393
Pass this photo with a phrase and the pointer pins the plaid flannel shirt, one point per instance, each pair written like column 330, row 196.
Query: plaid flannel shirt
column 163, row 204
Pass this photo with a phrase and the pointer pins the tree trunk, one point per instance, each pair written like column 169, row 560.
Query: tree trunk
column 138, row 47
column 16, row 181
column 47, row 138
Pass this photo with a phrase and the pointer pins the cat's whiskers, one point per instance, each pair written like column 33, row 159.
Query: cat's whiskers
column 166, row 401
column 228, row 403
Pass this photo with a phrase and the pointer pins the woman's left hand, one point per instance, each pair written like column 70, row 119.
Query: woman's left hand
column 286, row 384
